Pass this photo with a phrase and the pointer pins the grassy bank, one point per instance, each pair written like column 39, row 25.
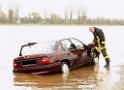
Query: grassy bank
column 58, row 25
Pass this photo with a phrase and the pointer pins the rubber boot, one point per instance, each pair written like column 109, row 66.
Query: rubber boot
column 107, row 63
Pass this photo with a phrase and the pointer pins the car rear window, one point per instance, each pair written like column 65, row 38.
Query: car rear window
column 44, row 47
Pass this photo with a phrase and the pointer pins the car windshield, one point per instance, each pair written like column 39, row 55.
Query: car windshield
column 44, row 47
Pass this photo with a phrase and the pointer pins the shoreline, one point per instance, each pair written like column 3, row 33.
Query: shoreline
column 58, row 25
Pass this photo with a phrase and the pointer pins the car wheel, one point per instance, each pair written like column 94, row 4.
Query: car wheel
column 64, row 67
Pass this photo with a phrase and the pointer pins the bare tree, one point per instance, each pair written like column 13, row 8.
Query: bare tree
column 81, row 15
column 10, row 15
column 35, row 17
column 16, row 13
column 13, row 13
column 55, row 18
column 78, row 16
column 66, row 15
column 71, row 15
column 2, row 16
column 0, row 6
column 46, row 15
column 84, row 15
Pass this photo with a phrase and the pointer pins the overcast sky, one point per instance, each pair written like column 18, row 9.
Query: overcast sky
column 102, row 8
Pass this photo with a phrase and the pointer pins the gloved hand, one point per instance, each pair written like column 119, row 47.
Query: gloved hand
column 97, row 53
column 90, row 46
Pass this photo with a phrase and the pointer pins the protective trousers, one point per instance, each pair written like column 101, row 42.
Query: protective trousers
column 104, row 53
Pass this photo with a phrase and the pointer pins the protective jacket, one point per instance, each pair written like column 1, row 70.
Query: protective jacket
column 99, row 38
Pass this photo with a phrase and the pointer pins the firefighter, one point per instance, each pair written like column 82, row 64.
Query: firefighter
column 99, row 42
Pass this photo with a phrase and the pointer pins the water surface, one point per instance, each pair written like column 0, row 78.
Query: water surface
column 85, row 78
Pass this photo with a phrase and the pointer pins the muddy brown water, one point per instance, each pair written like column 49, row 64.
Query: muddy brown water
column 85, row 78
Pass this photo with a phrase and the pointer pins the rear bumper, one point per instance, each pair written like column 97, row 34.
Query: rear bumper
column 39, row 69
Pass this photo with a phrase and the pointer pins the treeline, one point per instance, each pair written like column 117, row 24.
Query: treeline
column 71, row 16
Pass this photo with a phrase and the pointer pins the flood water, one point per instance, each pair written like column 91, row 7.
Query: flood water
column 84, row 78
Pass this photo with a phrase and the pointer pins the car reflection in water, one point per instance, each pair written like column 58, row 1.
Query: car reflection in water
column 81, row 78
column 60, row 55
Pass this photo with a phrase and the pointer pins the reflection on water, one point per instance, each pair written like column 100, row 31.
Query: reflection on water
column 80, row 78
column 85, row 78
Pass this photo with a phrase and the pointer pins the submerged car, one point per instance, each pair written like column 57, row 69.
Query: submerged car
column 60, row 55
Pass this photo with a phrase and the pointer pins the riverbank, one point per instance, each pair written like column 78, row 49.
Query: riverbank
column 59, row 25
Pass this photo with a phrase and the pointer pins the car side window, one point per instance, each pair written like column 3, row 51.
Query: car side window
column 77, row 43
column 60, row 48
column 66, row 44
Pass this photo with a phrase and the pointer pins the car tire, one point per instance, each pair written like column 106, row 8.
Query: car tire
column 64, row 67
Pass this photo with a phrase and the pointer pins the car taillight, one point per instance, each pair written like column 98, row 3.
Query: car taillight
column 45, row 61
column 14, row 64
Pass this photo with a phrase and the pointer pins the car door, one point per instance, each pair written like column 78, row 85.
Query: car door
column 83, row 55
column 72, row 52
